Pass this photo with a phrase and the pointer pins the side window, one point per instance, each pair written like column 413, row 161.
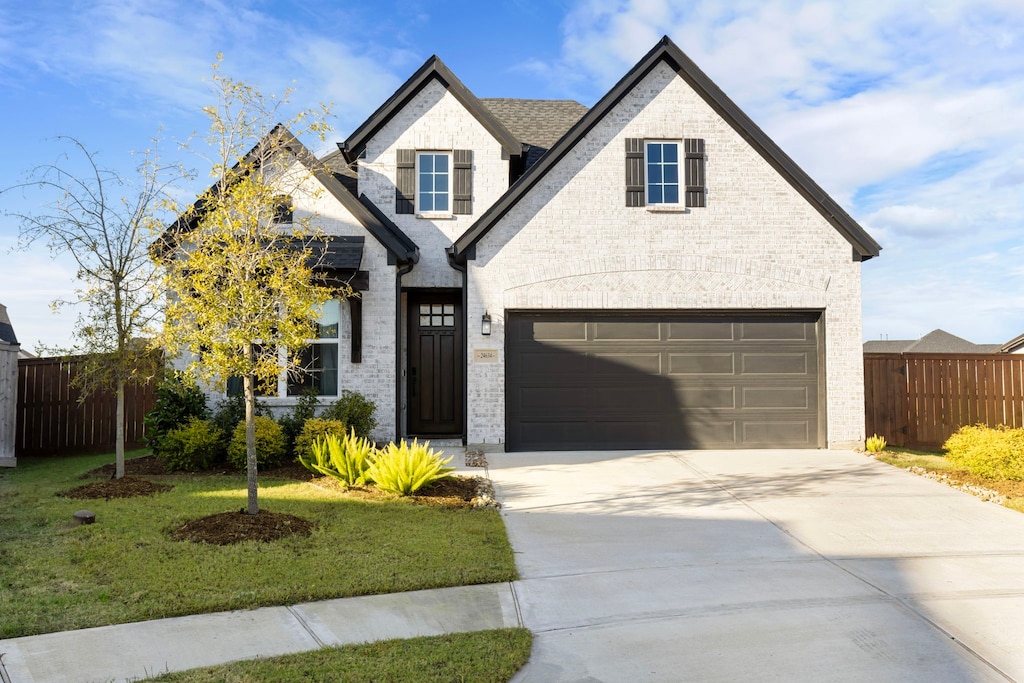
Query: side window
column 662, row 161
column 433, row 182
column 319, row 360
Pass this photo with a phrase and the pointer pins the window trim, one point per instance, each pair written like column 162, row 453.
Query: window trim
column 449, row 193
column 679, row 183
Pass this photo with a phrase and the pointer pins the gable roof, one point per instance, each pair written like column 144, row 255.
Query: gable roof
column 936, row 341
column 7, row 335
column 432, row 70
column 668, row 52
column 384, row 230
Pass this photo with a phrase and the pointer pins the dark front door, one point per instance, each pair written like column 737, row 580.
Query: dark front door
column 435, row 363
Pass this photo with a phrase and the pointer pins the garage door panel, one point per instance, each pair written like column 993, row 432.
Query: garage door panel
column 700, row 330
column 706, row 397
column 589, row 379
column 554, row 362
column 774, row 364
column 701, row 364
column 542, row 400
column 635, row 331
column 775, row 397
column 556, row 331
column 768, row 433
column 775, row 331
column 627, row 363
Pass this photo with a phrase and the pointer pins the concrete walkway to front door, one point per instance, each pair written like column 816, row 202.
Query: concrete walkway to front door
column 758, row 565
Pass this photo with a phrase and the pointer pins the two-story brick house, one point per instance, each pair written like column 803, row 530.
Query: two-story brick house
column 651, row 272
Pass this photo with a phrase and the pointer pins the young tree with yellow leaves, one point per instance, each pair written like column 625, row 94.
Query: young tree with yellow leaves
column 239, row 266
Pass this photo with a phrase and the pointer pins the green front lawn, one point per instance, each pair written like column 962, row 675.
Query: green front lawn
column 57, row 576
column 481, row 657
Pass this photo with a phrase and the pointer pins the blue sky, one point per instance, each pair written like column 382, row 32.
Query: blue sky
column 909, row 113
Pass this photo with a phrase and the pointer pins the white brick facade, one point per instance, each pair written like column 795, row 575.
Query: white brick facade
column 571, row 243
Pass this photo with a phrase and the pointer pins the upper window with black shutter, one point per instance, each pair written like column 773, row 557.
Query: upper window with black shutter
column 665, row 173
column 434, row 184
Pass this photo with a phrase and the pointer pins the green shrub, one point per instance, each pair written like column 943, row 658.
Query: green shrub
column 988, row 452
column 269, row 444
column 345, row 458
column 196, row 445
column 293, row 422
column 230, row 410
column 178, row 398
column 355, row 410
column 875, row 444
column 316, row 428
column 406, row 468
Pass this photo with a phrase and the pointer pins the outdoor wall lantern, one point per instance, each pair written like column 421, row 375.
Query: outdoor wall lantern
column 485, row 324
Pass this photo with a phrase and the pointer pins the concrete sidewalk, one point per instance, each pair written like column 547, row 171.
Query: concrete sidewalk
column 127, row 652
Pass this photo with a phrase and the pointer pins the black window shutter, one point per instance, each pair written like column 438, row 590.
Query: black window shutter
column 695, row 182
column 462, row 181
column 405, row 181
column 635, row 172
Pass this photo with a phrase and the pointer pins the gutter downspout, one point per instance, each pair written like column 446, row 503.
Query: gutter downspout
column 463, row 268
column 398, row 347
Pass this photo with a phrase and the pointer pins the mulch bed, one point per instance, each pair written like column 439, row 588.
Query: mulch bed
column 226, row 528
column 127, row 487
column 234, row 527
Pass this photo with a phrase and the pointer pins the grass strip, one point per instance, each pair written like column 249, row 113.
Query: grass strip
column 483, row 657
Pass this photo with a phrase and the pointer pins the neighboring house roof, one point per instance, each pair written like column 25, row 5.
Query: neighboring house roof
column 1013, row 346
column 7, row 335
column 936, row 341
column 398, row 244
column 666, row 51
column 432, row 70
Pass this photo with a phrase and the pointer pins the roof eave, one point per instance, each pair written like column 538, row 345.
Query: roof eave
column 665, row 50
column 432, row 69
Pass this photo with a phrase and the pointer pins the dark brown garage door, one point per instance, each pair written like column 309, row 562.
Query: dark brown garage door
column 589, row 380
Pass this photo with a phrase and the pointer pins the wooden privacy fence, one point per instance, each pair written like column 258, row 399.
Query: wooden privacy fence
column 918, row 400
column 51, row 420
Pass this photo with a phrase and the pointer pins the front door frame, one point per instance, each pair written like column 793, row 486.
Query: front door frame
column 453, row 383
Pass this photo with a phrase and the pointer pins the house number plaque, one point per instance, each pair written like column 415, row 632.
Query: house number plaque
column 485, row 355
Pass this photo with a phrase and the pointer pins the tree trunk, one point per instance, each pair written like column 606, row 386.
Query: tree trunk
column 119, row 433
column 250, row 442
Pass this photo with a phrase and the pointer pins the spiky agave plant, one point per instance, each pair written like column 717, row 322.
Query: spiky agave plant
column 405, row 468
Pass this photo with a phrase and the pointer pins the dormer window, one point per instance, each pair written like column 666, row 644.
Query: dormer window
column 433, row 182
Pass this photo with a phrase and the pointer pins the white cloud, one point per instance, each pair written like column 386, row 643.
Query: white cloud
column 29, row 283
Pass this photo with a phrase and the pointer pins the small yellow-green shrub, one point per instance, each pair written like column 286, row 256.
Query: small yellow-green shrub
column 344, row 458
column 989, row 452
column 875, row 444
column 406, row 468
column 270, row 444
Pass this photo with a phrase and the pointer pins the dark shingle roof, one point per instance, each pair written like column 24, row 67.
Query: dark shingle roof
column 538, row 123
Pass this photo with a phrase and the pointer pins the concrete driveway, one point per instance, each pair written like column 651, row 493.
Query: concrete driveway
column 758, row 565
